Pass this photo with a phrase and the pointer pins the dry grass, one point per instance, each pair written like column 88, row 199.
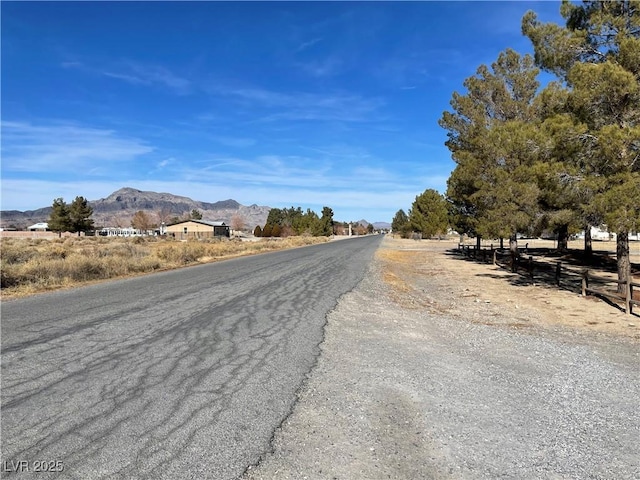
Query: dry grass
column 29, row 266
column 397, row 264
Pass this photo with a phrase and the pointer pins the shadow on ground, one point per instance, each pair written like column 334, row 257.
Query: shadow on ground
column 551, row 268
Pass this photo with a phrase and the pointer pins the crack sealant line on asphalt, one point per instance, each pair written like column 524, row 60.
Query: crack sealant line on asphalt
column 307, row 376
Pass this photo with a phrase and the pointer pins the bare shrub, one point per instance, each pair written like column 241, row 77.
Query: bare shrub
column 13, row 250
column 57, row 251
column 182, row 253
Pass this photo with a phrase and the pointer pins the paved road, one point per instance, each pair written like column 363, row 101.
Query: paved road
column 183, row 374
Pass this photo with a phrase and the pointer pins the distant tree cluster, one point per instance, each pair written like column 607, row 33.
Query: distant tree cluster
column 75, row 217
column 562, row 158
column 284, row 222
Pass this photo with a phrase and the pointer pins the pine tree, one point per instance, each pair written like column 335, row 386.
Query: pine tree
column 59, row 220
column 429, row 214
column 267, row 230
column 597, row 54
column 489, row 134
column 80, row 215
column 400, row 223
column 325, row 225
column 276, row 216
column 257, row 232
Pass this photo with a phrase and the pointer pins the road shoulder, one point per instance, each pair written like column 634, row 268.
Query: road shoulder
column 424, row 376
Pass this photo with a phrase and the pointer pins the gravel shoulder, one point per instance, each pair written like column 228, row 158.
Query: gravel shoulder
column 434, row 367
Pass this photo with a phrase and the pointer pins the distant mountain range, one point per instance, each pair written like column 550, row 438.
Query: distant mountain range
column 376, row 225
column 118, row 208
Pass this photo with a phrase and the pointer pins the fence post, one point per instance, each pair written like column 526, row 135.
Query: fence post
column 495, row 252
column 530, row 267
column 627, row 300
column 585, row 282
column 558, row 270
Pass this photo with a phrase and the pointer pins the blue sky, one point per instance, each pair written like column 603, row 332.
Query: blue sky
column 281, row 104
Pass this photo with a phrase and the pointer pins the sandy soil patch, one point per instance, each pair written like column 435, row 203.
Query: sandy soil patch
column 462, row 283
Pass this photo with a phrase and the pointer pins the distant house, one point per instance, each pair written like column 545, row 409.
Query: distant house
column 121, row 232
column 39, row 227
column 197, row 229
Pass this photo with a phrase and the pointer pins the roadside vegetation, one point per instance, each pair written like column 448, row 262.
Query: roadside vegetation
column 560, row 157
column 30, row 266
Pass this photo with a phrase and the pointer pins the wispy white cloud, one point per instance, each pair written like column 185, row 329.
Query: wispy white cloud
column 71, row 64
column 305, row 45
column 236, row 142
column 60, row 148
column 136, row 73
column 304, row 105
column 165, row 162
column 155, row 75
column 127, row 78
column 342, row 152
column 326, row 67
column 150, row 75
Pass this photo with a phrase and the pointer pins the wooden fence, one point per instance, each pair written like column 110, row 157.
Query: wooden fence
column 557, row 273
column 626, row 297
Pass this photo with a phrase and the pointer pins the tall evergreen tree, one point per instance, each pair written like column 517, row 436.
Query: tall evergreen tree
column 429, row 214
column 325, row 225
column 80, row 215
column 400, row 223
column 308, row 223
column 276, row 216
column 597, row 55
column 59, row 220
column 491, row 190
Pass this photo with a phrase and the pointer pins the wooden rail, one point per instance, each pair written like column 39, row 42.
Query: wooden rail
column 530, row 266
column 626, row 297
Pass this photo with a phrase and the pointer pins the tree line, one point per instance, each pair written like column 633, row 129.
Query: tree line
column 284, row 222
column 561, row 158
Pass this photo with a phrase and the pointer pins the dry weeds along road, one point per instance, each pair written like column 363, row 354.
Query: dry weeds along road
column 415, row 381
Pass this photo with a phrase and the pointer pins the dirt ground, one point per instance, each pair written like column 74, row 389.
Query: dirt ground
column 410, row 263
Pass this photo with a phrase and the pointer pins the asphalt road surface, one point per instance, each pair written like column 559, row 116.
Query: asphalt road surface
column 182, row 374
